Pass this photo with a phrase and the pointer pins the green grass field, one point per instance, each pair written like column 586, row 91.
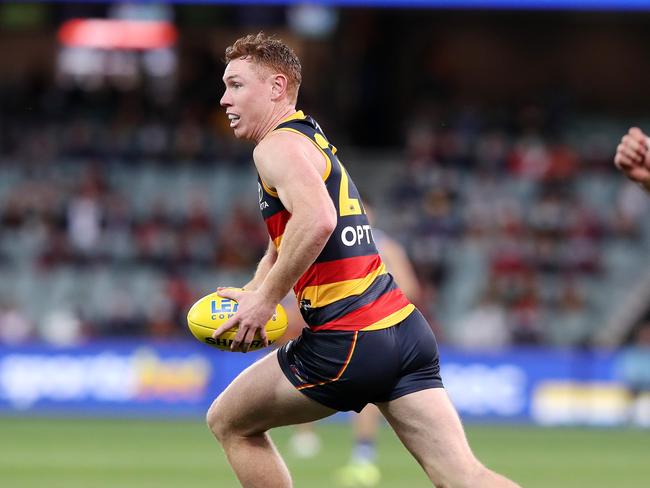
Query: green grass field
column 67, row 453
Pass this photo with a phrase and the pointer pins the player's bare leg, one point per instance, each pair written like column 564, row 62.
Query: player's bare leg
column 428, row 425
column 259, row 399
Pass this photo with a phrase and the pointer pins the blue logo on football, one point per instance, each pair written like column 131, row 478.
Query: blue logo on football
column 225, row 305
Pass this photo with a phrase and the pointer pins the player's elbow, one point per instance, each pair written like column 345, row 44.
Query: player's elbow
column 326, row 222
column 322, row 231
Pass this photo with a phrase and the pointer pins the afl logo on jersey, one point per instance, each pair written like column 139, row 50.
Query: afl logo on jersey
column 260, row 194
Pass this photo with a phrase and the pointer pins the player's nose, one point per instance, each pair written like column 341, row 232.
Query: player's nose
column 225, row 100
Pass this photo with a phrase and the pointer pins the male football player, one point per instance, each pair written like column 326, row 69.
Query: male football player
column 366, row 342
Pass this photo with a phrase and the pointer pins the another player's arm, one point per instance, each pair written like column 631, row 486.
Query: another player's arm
column 289, row 163
column 633, row 157
column 263, row 267
column 399, row 265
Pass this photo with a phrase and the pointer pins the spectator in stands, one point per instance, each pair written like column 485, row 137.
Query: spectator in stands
column 483, row 327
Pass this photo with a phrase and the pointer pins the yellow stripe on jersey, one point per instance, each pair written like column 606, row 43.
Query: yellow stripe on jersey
column 299, row 115
column 321, row 295
column 277, row 241
column 392, row 319
column 268, row 189
column 328, row 162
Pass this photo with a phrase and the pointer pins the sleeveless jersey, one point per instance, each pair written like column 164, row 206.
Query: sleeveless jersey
column 347, row 287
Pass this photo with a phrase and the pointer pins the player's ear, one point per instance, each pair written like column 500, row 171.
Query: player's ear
column 279, row 84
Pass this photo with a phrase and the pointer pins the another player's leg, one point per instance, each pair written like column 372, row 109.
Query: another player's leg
column 428, row 425
column 362, row 469
column 259, row 399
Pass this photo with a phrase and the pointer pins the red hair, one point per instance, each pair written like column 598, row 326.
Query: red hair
column 271, row 53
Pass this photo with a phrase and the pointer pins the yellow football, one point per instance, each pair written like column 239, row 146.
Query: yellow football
column 212, row 311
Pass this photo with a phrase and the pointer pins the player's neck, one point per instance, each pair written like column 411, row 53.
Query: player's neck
column 274, row 120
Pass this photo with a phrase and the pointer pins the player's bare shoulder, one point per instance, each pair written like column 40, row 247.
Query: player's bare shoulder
column 282, row 151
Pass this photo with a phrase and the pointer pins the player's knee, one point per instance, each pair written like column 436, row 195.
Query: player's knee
column 225, row 421
column 216, row 420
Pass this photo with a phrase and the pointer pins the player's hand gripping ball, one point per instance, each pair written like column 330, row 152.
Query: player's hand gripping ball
column 212, row 311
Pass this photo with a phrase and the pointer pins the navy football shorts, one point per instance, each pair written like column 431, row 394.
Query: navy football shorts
column 347, row 370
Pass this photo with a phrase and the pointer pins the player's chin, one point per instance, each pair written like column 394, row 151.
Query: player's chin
column 240, row 133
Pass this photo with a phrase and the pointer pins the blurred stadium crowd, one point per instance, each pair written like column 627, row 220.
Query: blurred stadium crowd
column 121, row 203
column 113, row 229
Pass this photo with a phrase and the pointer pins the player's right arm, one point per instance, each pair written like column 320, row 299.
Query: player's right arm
column 294, row 168
column 633, row 157
column 263, row 267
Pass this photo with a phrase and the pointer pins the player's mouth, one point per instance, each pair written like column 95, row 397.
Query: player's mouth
column 234, row 120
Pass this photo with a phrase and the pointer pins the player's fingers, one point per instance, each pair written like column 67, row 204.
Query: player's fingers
column 248, row 340
column 622, row 162
column 632, row 156
column 231, row 293
column 628, row 144
column 263, row 336
column 637, row 134
column 227, row 325
column 635, row 145
column 240, row 338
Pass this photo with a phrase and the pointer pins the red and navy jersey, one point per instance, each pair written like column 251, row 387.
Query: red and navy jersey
column 347, row 287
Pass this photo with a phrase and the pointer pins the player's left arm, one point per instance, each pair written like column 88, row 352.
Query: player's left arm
column 291, row 164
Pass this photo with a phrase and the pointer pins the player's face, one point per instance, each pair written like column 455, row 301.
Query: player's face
column 247, row 97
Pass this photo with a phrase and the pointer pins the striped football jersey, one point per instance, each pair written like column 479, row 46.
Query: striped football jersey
column 347, row 287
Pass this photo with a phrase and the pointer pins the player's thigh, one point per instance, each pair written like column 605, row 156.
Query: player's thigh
column 428, row 425
column 261, row 398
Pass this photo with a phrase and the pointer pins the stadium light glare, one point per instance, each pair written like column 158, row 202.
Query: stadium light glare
column 117, row 34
